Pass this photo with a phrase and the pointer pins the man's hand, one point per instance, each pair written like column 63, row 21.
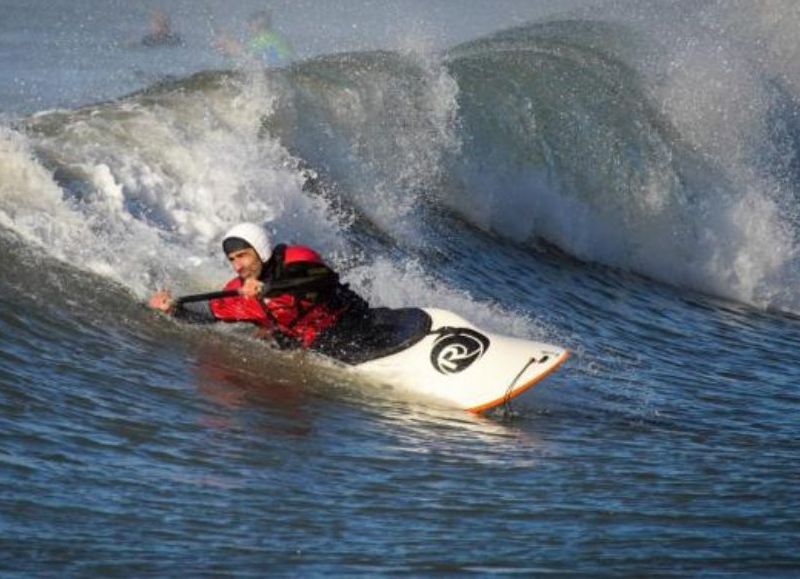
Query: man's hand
column 162, row 301
column 253, row 288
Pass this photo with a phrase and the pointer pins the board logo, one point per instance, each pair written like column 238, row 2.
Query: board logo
column 456, row 349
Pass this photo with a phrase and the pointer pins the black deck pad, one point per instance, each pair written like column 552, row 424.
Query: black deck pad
column 381, row 332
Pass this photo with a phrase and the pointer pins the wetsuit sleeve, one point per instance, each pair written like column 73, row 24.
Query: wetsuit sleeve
column 195, row 313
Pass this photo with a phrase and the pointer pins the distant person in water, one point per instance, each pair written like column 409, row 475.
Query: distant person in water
column 161, row 33
column 263, row 43
column 287, row 291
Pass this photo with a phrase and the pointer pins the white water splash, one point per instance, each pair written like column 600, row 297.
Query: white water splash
column 158, row 186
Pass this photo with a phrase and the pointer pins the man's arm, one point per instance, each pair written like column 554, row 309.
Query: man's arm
column 196, row 313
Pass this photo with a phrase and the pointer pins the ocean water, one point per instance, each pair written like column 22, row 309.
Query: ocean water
column 620, row 179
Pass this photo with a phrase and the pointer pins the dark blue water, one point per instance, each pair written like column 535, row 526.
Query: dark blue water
column 549, row 181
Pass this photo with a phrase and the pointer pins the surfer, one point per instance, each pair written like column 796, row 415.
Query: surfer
column 292, row 296
column 161, row 33
column 264, row 44
column 288, row 292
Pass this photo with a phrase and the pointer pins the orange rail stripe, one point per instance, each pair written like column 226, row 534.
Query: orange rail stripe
column 519, row 390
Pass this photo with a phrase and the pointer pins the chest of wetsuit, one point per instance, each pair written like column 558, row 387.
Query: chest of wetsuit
column 304, row 299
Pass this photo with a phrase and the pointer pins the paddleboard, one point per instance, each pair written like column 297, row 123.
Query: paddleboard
column 439, row 354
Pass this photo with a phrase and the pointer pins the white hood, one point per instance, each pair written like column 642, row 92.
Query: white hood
column 254, row 235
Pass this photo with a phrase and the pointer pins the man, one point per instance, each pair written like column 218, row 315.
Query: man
column 161, row 33
column 263, row 44
column 289, row 293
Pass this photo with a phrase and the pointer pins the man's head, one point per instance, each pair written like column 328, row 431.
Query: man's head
column 247, row 247
column 259, row 21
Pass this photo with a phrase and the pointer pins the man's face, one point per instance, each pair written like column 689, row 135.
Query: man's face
column 245, row 263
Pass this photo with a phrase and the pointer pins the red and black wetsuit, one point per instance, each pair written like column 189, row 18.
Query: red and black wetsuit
column 309, row 313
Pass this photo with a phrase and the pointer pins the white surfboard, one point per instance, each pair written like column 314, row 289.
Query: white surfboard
column 464, row 366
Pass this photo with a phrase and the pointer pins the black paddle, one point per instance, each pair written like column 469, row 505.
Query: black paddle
column 312, row 283
column 207, row 296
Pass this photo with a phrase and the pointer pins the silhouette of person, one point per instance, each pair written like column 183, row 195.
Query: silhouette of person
column 161, row 33
column 263, row 44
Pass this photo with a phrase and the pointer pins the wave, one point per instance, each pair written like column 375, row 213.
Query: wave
column 615, row 141
column 140, row 190
column 568, row 139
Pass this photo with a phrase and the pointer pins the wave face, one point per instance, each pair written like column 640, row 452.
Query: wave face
column 575, row 134
column 620, row 143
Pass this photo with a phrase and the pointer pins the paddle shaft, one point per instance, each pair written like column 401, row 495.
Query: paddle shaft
column 206, row 296
column 302, row 283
